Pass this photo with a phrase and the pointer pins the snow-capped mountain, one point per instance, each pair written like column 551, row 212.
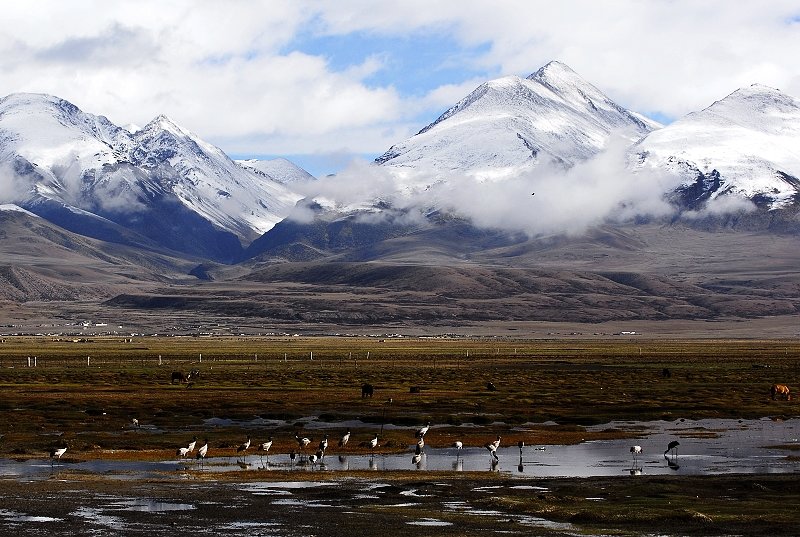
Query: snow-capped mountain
column 161, row 181
column 745, row 144
column 278, row 169
column 511, row 123
column 208, row 182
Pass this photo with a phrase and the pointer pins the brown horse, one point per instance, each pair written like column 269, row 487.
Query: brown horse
column 780, row 390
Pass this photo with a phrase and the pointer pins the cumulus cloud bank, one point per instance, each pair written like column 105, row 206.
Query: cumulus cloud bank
column 241, row 74
column 545, row 200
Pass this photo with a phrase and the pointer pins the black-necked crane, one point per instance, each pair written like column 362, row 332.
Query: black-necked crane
column 636, row 451
column 418, row 450
column 373, row 444
column 416, row 459
column 192, row 444
column 135, row 423
column 492, row 448
column 264, row 448
column 202, row 452
column 672, row 446
column 421, row 432
column 323, row 444
column 496, row 442
column 344, row 439
column 302, row 443
column 292, row 457
column 459, row 445
column 312, row 459
column 182, row 452
column 56, row 453
column 244, row 447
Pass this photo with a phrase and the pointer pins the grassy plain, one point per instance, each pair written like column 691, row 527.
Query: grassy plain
column 572, row 383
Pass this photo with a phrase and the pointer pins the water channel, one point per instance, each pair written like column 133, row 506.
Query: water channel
column 707, row 447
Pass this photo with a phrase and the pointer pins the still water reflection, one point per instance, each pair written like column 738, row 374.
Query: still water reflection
column 706, row 447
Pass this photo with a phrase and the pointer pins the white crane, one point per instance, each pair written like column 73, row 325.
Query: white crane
column 421, row 432
column 56, row 453
column 302, row 443
column 636, row 451
column 264, row 448
column 202, row 452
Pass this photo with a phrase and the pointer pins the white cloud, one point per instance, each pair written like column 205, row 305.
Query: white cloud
column 673, row 56
column 229, row 70
column 542, row 201
column 13, row 188
column 722, row 205
column 549, row 199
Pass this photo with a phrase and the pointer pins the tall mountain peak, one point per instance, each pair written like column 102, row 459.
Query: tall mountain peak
column 555, row 70
column 748, row 140
column 512, row 123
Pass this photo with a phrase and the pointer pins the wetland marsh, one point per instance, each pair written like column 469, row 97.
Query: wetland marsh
column 566, row 398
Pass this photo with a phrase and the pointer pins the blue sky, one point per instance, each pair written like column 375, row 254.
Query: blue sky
column 414, row 65
column 323, row 82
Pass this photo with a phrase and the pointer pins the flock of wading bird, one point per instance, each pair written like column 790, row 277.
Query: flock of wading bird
column 316, row 459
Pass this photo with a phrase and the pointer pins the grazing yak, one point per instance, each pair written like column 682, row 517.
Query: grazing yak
column 780, row 390
column 178, row 376
column 367, row 390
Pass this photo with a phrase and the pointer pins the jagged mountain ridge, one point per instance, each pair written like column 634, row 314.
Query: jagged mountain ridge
column 161, row 182
column 281, row 170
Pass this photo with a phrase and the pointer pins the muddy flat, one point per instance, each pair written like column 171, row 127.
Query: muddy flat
column 400, row 504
